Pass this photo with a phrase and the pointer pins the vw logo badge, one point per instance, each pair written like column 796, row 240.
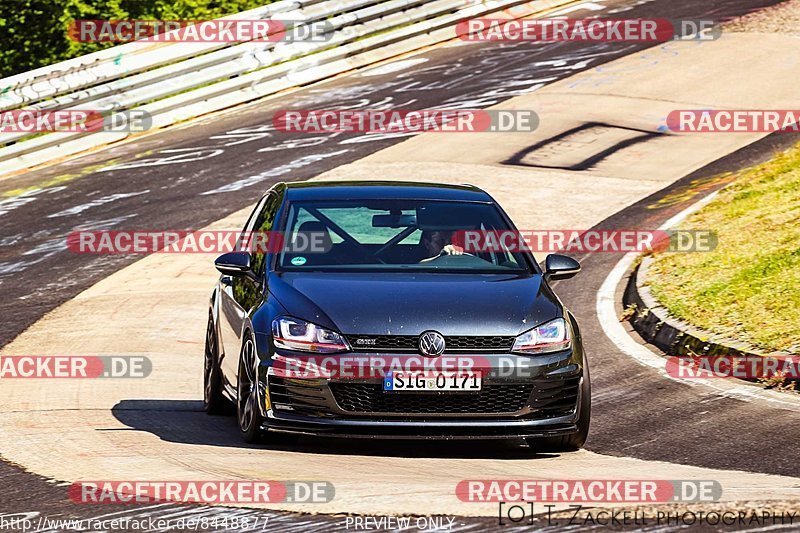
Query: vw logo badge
column 431, row 344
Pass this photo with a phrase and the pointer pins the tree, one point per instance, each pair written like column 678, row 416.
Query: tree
column 33, row 33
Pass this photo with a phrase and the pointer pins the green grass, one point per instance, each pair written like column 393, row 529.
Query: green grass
column 748, row 288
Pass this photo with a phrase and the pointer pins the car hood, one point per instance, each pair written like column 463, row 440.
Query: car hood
column 408, row 304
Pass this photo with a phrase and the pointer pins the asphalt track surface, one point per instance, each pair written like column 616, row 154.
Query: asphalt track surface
column 188, row 177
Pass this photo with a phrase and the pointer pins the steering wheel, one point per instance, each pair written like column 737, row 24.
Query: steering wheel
column 443, row 253
column 368, row 256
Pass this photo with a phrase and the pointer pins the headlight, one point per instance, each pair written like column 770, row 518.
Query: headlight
column 550, row 337
column 296, row 334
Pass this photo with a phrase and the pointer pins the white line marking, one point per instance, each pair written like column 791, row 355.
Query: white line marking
column 395, row 66
column 591, row 6
column 78, row 209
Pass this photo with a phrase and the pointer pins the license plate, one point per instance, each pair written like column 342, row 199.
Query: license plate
column 432, row 381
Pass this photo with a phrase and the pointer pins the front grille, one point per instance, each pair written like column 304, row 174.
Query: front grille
column 484, row 344
column 410, row 343
column 380, row 343
column 371, row 398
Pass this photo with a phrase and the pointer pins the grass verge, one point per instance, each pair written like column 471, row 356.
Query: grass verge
column 748, row 288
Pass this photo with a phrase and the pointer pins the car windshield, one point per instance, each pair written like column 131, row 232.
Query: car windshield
column 382, row 235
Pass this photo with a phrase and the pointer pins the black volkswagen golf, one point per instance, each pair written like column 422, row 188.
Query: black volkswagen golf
column 369, row 314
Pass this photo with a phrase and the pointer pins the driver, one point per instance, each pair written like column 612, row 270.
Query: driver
column 438, row 243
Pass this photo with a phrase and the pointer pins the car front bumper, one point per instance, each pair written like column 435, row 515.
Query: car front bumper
column 542, row 402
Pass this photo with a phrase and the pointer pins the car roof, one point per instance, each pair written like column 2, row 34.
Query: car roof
column 376, row 190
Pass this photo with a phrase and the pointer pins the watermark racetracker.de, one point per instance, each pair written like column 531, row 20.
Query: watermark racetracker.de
column 406, row 121
column 734, row 120
column 200, row 31
column 74, row 366
column 228, row 492
column 548, row 30
column 74, row 121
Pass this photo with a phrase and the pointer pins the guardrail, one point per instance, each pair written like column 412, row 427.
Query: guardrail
column 175, row 81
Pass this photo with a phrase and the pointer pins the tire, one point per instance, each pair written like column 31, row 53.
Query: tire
column 248, row 414
column 214, row 402
column 573, row 441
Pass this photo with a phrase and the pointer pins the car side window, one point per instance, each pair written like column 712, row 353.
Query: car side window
column 244, row 236
column 264, row 223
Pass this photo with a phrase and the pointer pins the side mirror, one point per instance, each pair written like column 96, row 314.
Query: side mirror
column 233, row 263
column 560, row 267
